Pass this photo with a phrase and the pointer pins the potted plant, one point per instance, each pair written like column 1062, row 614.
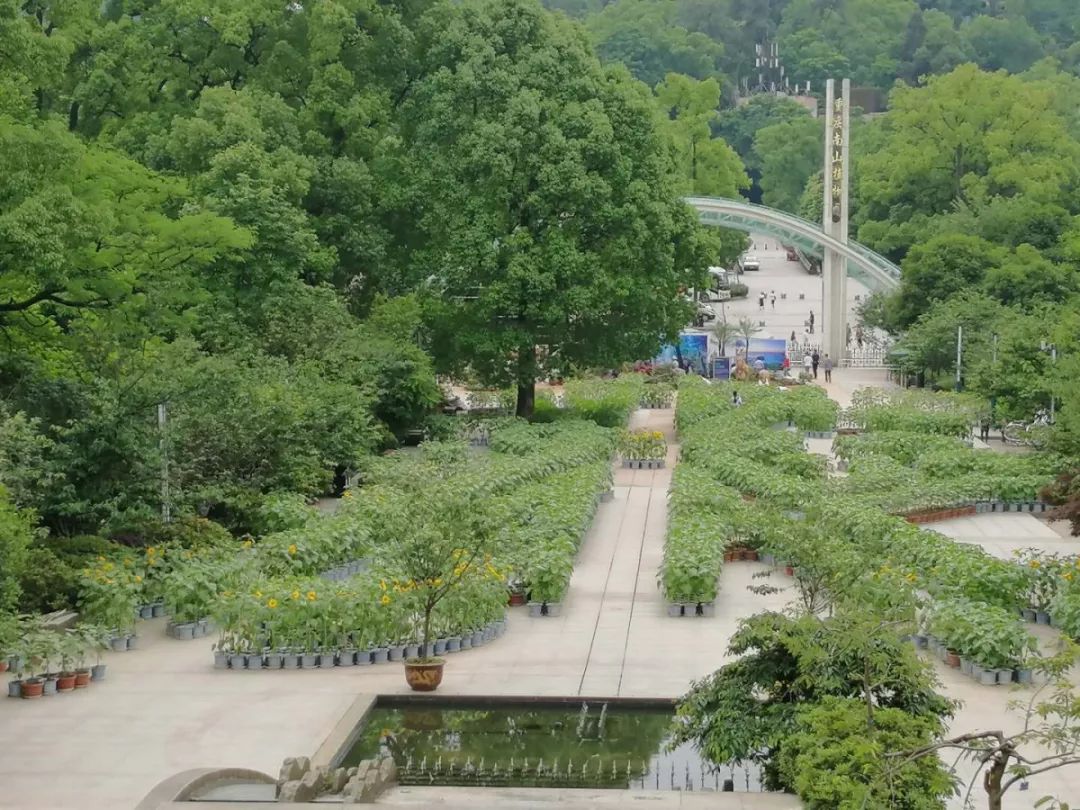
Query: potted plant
column 96, row 638
column 9, row 637
column 434, row 547
column 33, row 686
column 69, row 648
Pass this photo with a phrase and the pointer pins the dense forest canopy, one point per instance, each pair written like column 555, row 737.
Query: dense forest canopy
column 280, row 222
column 271, row 219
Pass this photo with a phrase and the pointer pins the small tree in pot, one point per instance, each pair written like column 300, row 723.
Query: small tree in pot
column 429, row 548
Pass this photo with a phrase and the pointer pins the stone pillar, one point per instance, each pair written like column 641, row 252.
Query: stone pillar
column 835, row 218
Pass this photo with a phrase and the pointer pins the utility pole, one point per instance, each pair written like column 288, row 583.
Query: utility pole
column 162, row 417
column 959, row 354
column 1052, row 348
column 1053, row 365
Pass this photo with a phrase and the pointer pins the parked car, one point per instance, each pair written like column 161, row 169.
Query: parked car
column 750, row 263
column 704, row 314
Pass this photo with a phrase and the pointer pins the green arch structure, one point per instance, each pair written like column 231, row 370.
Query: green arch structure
column 873, row 269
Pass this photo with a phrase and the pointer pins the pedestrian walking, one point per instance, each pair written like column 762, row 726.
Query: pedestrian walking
column 792, row 337
column 808, row 363
column 786, row 365
column 815, row 361
column 827, row 365
column 859, row 336
column 984, row 428
column 761, row 302
column 847, row 336
column 772, row 299
column 811, row 322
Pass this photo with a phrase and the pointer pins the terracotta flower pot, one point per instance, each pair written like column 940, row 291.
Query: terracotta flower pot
column 3, row 664
column 517, row 599
column 424, row 677
column 82, row 678
column 952, row 659
column 32, row 688
column 789, row 570
column 66, row 682
column 751, row 555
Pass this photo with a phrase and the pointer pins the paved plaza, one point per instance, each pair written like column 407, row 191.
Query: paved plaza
column 163, row 709
column 789, row 281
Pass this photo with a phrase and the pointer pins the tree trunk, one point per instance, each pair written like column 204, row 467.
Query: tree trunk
column 992, row 781
column 526, row 399
column 526, row 386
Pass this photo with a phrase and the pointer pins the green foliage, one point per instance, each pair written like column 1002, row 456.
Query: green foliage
column 705, row 165
column 966, row 139
column 571, row 147
column 16, row 533
column 937, row 269
column 646, row 37
column 49, row 581
column 609, row 403
column 789, row 154
column 990, row 636
column 749, row 709
column 834, row 762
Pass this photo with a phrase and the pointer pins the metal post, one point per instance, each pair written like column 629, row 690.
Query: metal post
column 959, row 345
column 162, row 415
column 1053, row 364
column 995, row 348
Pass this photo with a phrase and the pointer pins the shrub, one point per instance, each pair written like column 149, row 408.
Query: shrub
column 834, row 762
column 49, row 582
column 739, row 290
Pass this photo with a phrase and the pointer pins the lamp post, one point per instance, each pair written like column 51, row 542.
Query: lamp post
column 959, row 354
column 1052, row 349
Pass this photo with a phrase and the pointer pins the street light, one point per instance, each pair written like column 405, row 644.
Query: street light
column 1052, row 348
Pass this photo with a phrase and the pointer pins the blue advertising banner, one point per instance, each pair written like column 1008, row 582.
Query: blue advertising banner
column 770, row 350
column 693, row 349
column 721, row 368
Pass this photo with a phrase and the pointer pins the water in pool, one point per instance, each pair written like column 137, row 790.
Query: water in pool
column 541, row 745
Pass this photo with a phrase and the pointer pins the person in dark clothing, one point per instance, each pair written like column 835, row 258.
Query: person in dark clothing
column 811, row 322
column 984, row 428
column 815, row 359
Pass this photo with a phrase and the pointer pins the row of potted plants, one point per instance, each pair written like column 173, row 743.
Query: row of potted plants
column 350, row 654
column 45, row 661
column 546, row 525
column 914, row 411
column 657, row 395
column 642, row 445
column 982, row 640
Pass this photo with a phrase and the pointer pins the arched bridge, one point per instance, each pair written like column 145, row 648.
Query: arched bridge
column 877, row 271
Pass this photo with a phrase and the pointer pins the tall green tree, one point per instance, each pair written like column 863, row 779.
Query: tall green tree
column 968, row 137
column 705, row 165
column 789, row 155
column 543, row 189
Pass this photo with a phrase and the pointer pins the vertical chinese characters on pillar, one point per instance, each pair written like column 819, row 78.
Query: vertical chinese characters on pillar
column 837, row 167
